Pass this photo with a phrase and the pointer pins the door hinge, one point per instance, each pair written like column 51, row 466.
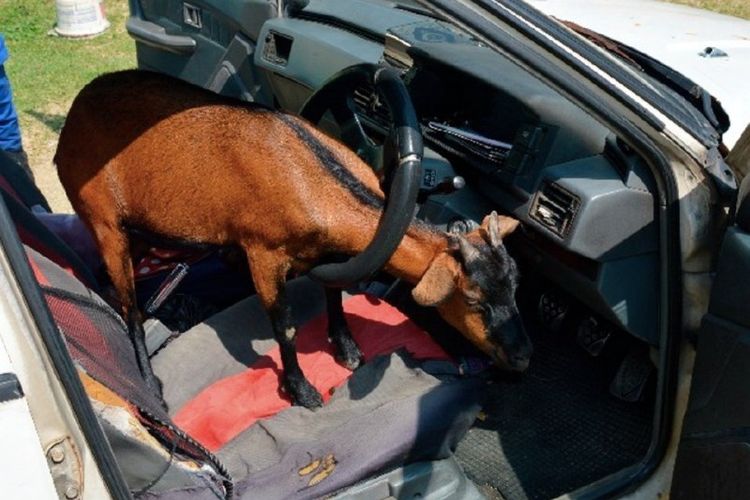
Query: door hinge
column 65, row 466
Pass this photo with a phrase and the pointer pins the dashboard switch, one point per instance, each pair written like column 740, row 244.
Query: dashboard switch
column 528, row 137
column 429, row 178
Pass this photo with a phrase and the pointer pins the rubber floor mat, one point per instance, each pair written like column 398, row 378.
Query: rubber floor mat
column 554, row 429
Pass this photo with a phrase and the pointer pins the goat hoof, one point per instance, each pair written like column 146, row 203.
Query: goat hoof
column 304, row 394
column 351, row 362
column 348, row 353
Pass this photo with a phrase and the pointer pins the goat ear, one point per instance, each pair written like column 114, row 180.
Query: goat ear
column 468, row 251
column 498, row 227
column 438, row 282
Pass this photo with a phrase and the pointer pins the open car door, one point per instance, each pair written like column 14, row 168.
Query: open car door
column 209, row 43
column 713, row 460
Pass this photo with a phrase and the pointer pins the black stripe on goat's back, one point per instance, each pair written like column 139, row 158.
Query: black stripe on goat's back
column 332, row 165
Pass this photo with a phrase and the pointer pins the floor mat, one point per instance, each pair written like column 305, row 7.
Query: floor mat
column 554, row 429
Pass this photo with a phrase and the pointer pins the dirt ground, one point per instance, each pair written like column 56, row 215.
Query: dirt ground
column 46, row 72
column 40, row 141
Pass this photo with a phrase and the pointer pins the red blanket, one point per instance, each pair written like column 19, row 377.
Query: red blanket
column 227, row 407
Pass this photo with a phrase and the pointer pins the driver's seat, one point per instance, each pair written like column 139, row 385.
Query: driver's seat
column 395, row 410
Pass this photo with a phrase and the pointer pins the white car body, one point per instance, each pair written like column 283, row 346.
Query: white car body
column 25, row 470
column 676, row 35
column 672, row 34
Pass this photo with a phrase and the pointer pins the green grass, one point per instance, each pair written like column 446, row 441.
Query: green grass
column 738, row 8
column 46, row 69
column 46, row 73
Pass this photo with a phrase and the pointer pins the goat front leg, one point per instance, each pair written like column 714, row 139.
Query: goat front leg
column 269, row 275
column 347, row 351
column 115, row 250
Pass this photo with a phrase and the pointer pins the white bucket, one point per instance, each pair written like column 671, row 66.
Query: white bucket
column 80, row 18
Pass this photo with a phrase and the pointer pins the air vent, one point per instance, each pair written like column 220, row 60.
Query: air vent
column 368, row 104
column 192, row 15
column 277, row 48
column 555, row 208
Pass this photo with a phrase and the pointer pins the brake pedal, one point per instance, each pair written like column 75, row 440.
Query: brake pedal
column 592, row 335
column 632, row 376
column 552, row 310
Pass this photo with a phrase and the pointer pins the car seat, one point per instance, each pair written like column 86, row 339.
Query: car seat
column 391, row 424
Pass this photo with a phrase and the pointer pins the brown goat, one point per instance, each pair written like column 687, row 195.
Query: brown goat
column 142, row 151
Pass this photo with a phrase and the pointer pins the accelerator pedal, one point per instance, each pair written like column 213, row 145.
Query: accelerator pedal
column 632, row 376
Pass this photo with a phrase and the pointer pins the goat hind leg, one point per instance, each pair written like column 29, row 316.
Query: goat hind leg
column 114, row 247
column 347, row 351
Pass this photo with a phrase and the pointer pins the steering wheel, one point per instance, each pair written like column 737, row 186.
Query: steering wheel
column 402, row 161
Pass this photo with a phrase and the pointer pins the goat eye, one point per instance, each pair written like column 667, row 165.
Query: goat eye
column 473, row 303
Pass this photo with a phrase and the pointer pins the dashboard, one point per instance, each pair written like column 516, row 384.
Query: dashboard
column 523, row 148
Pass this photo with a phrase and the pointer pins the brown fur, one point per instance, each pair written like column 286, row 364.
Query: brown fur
column 140, row 150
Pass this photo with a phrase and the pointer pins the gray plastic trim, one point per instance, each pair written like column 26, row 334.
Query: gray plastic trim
column 156, row 36
column 438, row 480
column 10, row 387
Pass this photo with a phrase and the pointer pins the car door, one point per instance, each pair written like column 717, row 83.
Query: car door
column 206, row 42
column 713, row 459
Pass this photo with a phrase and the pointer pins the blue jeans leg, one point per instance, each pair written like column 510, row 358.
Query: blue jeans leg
column 10, row 133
